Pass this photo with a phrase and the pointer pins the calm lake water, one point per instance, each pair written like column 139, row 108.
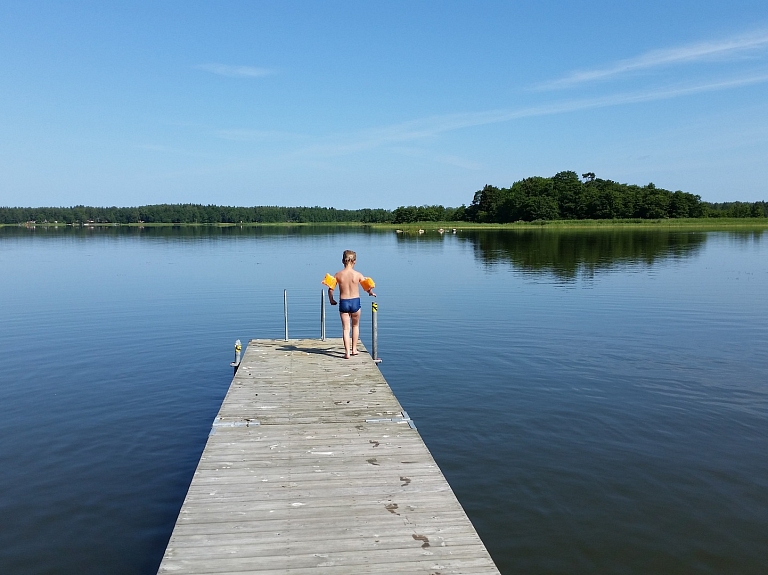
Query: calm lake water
column 597, row 400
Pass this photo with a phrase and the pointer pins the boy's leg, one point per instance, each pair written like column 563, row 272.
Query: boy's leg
column 345, row 321
column 355, row 331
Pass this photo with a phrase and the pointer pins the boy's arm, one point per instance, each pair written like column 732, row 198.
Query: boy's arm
column 370, row 291
column 330, row 296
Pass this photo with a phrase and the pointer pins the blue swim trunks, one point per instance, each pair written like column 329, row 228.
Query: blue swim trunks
column 349, row 305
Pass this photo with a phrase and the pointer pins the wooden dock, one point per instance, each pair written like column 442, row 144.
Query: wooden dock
column 312, row 466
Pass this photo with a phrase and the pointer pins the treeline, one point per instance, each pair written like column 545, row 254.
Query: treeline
column 737, row 210
column 192, row 214
column 566, row 197
column 408, row 214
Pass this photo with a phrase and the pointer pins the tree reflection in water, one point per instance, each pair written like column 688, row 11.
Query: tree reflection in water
column 569, row 254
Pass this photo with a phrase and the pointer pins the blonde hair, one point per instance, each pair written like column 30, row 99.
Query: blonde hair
column 348, row 257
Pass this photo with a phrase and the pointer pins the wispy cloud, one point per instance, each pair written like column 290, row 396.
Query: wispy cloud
column 447, row 159
column 235, row 71
column 247, row 135
column 162, row 149
column 724, row 49
column 156, row 148
column 457, row 161
column 433, row 126
column 408, row 137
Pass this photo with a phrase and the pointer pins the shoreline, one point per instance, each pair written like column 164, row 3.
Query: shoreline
column 694, row 224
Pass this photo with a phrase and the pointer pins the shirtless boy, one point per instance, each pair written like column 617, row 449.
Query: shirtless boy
column 349, row 301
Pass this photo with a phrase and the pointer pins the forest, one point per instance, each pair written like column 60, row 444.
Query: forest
column 564, row 196
column 192, row 214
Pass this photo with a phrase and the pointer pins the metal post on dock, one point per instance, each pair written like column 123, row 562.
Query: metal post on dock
column 238, row 348
column 285, row 311
column 322, row 315
column 375, row 332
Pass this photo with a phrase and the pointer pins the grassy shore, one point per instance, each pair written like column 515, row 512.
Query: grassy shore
column 698, row 224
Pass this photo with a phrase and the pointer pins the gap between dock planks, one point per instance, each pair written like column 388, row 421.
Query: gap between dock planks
column 312, row 466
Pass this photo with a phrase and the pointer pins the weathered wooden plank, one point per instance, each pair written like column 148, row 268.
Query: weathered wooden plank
column 318, row 522
column 295, row 558
column 305, row 556
column 370, row 511
column 373, row 563
column 363, row 533
column 314, row 487
column 389, row 482
column 426, row 567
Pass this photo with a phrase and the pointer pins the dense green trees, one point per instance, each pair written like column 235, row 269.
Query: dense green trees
column 564, row 196
column 192, row 213
column 408, row 214
column 738, row 210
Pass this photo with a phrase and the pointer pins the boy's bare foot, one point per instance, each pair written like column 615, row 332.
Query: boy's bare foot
column 346, row 356
column 355, row 353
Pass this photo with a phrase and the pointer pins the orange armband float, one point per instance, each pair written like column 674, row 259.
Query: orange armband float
column 368, row 284
column 330, row 281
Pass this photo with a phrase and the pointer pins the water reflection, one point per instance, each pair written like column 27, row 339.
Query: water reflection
column 181, row 231
column 565, row 254
column 568, row 254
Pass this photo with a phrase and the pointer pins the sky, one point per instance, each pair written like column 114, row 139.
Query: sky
column 376, row 104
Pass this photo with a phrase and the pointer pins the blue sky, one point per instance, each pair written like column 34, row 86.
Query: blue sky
column 363, row 104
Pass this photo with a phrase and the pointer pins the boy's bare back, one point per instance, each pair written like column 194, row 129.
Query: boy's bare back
column 349, row 279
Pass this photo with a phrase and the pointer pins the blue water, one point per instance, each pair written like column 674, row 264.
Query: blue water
column 597, row 400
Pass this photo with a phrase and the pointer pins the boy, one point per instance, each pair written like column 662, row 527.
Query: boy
column 349, row 301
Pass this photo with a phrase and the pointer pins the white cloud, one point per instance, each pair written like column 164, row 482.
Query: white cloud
column 725, row 49
column 235, row 71
column 430, row 127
